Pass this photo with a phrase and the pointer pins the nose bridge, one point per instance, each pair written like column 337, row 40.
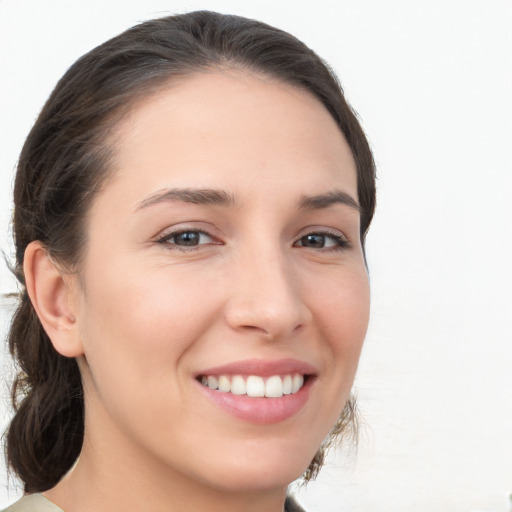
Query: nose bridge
column 265, row 293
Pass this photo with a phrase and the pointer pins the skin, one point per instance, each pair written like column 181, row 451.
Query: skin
column 146, row 315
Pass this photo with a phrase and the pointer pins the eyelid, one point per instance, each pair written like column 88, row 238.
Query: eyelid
column 197, row 225
column 322, row 230
column 165, row 237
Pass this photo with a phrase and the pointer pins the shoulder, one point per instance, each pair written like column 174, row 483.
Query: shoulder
column 33, row 503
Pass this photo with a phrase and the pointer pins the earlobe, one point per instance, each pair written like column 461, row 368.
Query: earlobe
column 52, row 299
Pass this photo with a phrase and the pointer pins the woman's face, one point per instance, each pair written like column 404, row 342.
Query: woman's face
column 225, row 252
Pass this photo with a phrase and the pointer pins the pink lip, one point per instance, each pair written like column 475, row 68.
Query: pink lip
column 261, row 411
column 262, row 368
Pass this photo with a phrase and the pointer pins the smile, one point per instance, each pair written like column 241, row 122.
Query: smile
column 274, row 386
column 259, row 391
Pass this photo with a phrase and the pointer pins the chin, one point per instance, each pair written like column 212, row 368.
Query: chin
column 260, row 481
column 261, row 472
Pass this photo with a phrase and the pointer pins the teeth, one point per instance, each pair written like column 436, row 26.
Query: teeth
column 255, row 386
column 224, row 384
column 287, row 384
column 274, row 387
column 212, row 382
column 238, row 386
column 298, row 382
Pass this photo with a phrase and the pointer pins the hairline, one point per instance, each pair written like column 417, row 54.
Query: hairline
column 110, row 129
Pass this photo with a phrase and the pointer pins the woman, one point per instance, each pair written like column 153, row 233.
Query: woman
column 190, row 214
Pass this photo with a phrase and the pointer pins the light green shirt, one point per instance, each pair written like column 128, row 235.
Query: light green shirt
column 33, row 503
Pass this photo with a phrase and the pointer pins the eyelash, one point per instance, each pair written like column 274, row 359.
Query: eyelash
column 340, row 243
column 167, row 240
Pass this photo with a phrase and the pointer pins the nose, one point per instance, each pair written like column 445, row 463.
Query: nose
column 265, row 296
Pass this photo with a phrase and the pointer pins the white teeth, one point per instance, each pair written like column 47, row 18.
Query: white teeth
column 287, row 384
column 224, row 384
column 238, row 386
column 274, row 387
column 213, row 383
column 298, row 382
column 255, row 386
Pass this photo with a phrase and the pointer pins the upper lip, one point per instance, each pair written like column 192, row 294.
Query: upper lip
column 262, row 367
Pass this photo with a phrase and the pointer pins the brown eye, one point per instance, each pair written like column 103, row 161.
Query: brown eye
column 187, row 238
column 315, row 241
column 323, row 241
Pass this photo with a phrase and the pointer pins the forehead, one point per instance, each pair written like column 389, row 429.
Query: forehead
column 232, row 128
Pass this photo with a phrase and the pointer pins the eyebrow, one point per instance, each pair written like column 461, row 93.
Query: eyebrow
column 205, row 196
column 325, row 200
column 219, row 197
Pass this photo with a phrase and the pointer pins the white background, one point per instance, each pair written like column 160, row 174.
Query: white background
column 432, row 83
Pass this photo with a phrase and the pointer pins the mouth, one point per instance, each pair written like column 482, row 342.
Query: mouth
column 256, row 386
column 259, row 392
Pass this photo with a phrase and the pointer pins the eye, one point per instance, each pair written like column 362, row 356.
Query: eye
column 323, row 241
column 186, row 238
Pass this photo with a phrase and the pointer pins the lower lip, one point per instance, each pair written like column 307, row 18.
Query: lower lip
column 262, row 411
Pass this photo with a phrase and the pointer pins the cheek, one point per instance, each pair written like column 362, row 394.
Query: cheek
column 138, row 329
column 342, row 309
column 140, row 324
column 344, row 304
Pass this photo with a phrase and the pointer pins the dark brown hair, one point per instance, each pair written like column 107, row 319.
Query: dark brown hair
column 65, row 161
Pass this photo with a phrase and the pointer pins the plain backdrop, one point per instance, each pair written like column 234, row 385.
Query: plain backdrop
column 432, row 84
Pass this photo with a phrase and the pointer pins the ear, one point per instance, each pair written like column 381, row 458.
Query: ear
column 53, row 296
